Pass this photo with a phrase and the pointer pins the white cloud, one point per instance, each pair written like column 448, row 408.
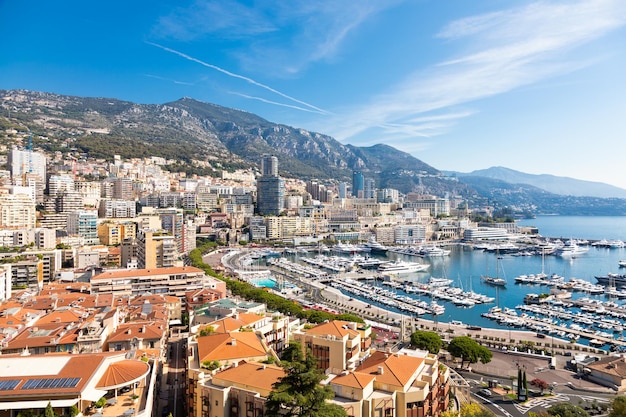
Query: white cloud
column 503, row 51
column 286, row 36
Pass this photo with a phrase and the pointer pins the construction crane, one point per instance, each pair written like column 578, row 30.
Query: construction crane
column 30, row 152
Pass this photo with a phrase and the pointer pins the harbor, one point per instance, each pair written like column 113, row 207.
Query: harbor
column 552, row 296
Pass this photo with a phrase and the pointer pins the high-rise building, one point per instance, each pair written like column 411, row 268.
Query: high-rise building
column 343, row 190
column 26, row 162
column 123, row 188
column 173, row 221
column 270, row 188
column 85, row 224
column 269, row 166
column 369, row 190
column 17, row 211
column 117, row 208
column 60, row 183
column 358, row 184
column 155, row 249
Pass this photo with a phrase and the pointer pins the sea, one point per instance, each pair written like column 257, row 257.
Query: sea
column 466, row 265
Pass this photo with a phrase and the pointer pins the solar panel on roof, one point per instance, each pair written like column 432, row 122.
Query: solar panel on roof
column 9, row 384
column 49, row 383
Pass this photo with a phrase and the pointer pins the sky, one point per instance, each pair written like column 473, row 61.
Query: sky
column 535, row 86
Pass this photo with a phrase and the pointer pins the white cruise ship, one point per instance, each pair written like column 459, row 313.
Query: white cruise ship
column 401, row 267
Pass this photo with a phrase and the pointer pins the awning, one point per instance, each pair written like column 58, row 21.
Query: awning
column 18, row 405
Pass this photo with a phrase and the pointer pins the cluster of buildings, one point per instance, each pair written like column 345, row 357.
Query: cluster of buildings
column 106, row 337
column 94, row 275
column 64, row 218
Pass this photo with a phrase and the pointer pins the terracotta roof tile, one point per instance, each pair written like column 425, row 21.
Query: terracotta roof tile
column 397, row 369
column 354, row 380
column 123, row 372
column 219, row 346
column 252, row 374
column 336, row 328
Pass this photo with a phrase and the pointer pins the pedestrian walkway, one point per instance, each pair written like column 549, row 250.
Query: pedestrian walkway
column 543, row 402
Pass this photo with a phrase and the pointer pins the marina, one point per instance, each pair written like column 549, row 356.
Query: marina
column 576, row 298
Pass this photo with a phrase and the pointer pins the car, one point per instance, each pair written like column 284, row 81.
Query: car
column 485, row 392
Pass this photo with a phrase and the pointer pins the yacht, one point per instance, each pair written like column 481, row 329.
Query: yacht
column 434, row 251
column 499, row 282
column 622, row 263
column 401, row 267
column 570, row 249
column 617, row 280
column 375, row 247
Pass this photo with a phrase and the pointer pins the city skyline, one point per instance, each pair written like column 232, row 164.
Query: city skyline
column 534, row 86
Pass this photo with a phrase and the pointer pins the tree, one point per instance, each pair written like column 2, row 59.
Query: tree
column 49, row 412
column 539, row 383
column 209, row 330
column 567, row 410
column 429, row 341
column 474, row 410
column 618, row 407
column 469, row 350
column 299, row 393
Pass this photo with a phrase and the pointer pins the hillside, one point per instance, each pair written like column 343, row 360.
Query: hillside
column 206, row 138
column 551, row 183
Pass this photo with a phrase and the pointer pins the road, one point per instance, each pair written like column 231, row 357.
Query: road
column 173, row 381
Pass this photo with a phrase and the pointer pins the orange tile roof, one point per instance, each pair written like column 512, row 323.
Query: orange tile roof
column 146, row 331
column 336, row 328
column 397, row 369
column 123, row 372
column 81, row 366
column 230, row 323
column 219, row 346
column 354, row 380
column 45, row 335
column 252, row 374
column 63, row 316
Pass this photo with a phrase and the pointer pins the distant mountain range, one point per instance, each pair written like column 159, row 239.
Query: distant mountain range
column 551, row 183
column 206, row 138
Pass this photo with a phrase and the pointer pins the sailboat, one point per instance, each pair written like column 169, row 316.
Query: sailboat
column 495, row 281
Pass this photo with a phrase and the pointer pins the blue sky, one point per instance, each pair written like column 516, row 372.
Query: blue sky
column 536, row 86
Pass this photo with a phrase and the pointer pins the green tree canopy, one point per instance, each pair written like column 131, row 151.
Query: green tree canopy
column 567, row 410
column 474, row 410
column 469, row 350
column 299, row 393
column 49, row 411
column 429, row 341
column 618, row 407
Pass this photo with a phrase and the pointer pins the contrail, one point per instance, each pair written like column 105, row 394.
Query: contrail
column 168, row 79
column 231, row 74
column 274, row 102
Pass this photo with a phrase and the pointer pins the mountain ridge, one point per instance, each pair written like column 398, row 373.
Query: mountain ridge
column 206, row 138
column 560, row 185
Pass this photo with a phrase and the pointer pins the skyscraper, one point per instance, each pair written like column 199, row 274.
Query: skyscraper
column 270, row 188
column 369, row 190
column 269, row 166
column 358, row 184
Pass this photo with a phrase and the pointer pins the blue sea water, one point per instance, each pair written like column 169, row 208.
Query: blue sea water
column 579, row 227
column 465, row 266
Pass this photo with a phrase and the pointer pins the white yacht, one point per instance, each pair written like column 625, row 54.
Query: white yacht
column 570, row 249
column 434, row 251
column 401, row 267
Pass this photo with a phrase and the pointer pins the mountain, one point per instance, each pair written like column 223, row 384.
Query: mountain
column 551, row 183
column 206, row 138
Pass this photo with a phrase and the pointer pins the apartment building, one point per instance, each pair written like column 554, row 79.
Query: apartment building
column 175, row 281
